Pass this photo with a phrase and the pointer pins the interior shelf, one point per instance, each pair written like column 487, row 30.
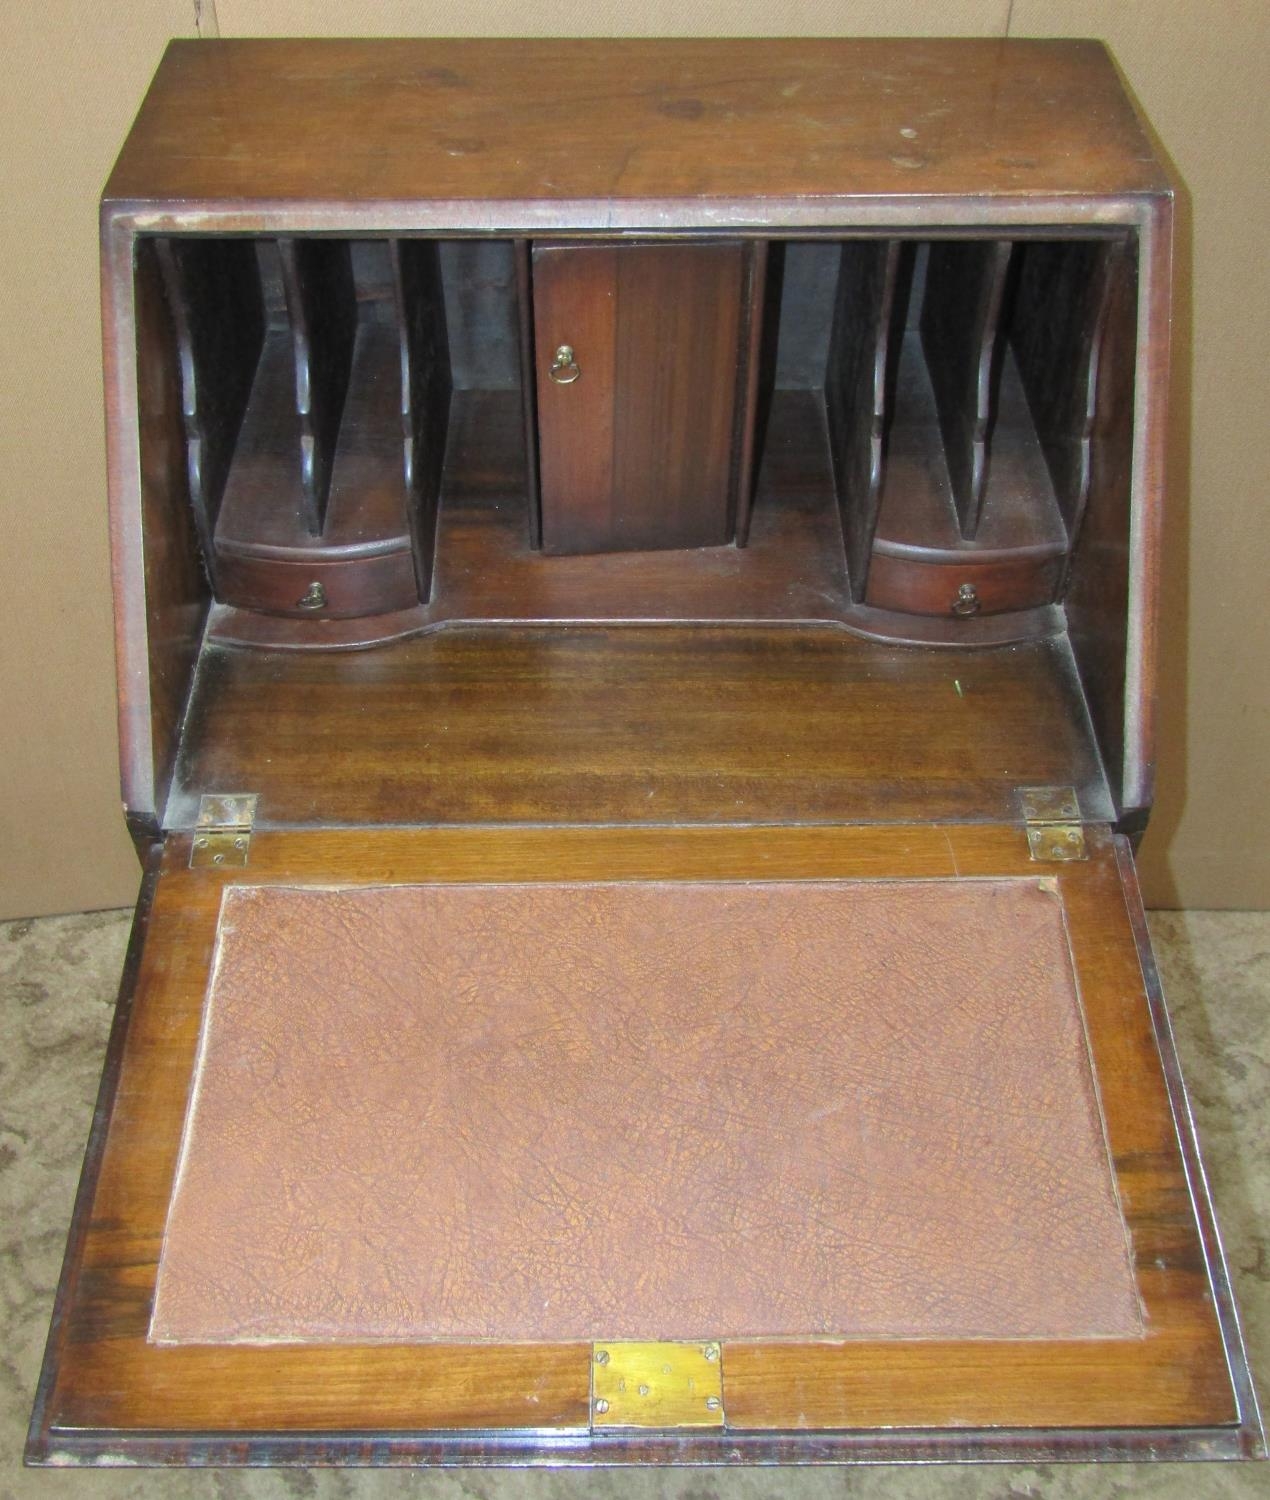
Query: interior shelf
column 624, row 723
column 961, row 390
column 317, row 430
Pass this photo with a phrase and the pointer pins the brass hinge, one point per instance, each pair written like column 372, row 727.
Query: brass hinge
column 656, row 1384
column 222, row 835
column 1051, row 817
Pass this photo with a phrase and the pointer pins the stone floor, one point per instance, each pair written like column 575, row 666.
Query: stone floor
column 57, row 982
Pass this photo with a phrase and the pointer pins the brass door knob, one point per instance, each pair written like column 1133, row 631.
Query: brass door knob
column 564, row 368
column 314, row 597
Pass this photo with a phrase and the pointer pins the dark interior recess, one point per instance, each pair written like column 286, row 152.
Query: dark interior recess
column 322, row 379
column 929, row 441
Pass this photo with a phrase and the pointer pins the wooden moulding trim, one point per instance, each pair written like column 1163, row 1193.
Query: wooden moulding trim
column 1150, row 441
column 954, row 557
column 230, row 626
column 127, row 567
column 771, row 217
column 547, row 1450
column 1250, row 1426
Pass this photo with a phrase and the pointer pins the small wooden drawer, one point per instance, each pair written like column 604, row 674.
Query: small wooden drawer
column 960, row 590
column 343, row 589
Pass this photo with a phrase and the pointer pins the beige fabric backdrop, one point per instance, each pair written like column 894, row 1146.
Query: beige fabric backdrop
column 75, row 72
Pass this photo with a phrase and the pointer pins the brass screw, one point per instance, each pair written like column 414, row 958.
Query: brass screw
column 712, row 1351
column 601, row 1406
column 200, row 843
column 643, row 1390
column 713, row 1403
column 601, row 1356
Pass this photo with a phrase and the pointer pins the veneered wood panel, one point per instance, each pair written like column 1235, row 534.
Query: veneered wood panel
column 679, row 360
column 645, row 724
column 1037, row 119
column 106, row 1375
column 575, row 304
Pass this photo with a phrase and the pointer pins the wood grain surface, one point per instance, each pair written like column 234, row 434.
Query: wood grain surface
column 643, row 724
column 109, row 1376
column 636, row 453
column 860, row 367
column 369, row 122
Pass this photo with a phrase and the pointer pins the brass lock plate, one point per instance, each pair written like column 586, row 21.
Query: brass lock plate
column 635, row 1384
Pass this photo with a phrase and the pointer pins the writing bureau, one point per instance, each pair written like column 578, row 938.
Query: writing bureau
column 636, row 572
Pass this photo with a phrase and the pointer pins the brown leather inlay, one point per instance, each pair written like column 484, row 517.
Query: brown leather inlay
column 644, row 1110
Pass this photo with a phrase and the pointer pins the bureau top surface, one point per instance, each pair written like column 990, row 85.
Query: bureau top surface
column 626, row 133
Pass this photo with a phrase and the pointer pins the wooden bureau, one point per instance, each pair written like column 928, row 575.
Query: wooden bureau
column 636, row 573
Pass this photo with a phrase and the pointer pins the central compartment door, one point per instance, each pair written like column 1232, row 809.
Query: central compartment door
column 644, row 381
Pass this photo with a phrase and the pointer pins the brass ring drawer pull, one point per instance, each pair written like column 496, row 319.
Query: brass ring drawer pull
column 564, row 368
column 967, row 601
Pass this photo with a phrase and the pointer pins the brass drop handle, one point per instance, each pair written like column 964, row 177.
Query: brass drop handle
column 564, row 368
column 967, row 601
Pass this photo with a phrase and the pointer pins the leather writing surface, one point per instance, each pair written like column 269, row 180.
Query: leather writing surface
column 552, row 1111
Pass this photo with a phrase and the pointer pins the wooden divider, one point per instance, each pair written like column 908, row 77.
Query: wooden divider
column 426, row 387
column 322, row 306
column 212, row 288
column 1059, row 315
column 860, row 352
column 965, row 289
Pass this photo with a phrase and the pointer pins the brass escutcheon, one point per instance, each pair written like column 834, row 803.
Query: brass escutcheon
column 564, row 368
